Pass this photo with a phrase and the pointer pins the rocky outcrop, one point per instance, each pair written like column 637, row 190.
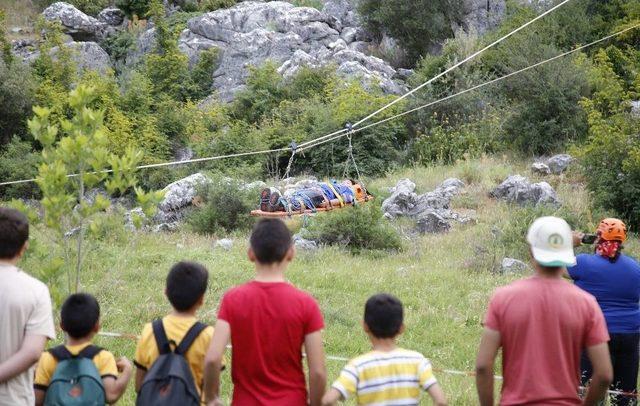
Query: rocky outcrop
column 431, row 210
column 513, row 266
column 540, row 168
column 252, row 33
column 559, row 163
column 556, row 165
column 635, row 108
column 405, row 202
column 77, row 24
column 303, row 244
column 112, row 16
column 481, row 16
column 178, row 196
column 518, row 189
column 86, row 55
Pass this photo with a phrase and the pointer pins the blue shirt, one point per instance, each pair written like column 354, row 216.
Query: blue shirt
column 616, row 287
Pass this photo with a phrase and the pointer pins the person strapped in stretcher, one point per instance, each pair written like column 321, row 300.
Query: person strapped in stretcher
column 325, row 195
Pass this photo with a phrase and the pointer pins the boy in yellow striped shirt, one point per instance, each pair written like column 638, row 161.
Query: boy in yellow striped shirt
column 388, row 375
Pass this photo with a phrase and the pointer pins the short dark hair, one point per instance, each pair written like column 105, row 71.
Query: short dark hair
column 79, row 315
column 14, row 232
column 383, row 314
column 270, row 241
column 186, row 283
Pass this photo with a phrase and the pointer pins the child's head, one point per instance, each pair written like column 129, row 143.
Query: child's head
column 383, row 316
column 271, row 242
column 80, row 316
column 186, row 285
column 14, row 233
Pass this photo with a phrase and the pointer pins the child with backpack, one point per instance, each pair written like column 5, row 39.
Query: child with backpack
column 268, row 321
column 170, row 353
column 388, row 375
column 79, row 373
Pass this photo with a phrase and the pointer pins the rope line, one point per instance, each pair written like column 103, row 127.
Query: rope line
column 344, row 359
column 449, row 97
column 468, row 58
column 342, row 133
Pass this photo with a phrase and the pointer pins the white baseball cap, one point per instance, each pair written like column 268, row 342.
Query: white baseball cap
column 551, row 242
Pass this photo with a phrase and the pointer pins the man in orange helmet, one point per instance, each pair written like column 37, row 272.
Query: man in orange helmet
column 614, row 279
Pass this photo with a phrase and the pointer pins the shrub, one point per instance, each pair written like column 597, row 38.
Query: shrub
column 202, row 73
column 358, row 228
column 18, row 161
column 91, row 7
column 213, row 5
column 17, row 91
column 611, row 155
column 226, row 207
column 448, row 144
column 418, row 25
column 133, row 8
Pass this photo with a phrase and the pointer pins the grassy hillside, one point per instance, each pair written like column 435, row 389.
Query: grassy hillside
column 443, row 280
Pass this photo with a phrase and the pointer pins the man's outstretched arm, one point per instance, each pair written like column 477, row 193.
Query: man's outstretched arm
column 489, row 345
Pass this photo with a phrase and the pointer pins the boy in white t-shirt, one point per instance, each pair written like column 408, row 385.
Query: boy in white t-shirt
column 26, row 319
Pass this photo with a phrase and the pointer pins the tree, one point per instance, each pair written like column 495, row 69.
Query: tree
column 419, row 25
column 74, row 163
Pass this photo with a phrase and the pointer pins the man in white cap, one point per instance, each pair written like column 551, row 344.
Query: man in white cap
column 542, row 324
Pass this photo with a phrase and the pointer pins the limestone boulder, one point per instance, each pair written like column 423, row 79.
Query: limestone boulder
column 80, row 26
column 518, row 189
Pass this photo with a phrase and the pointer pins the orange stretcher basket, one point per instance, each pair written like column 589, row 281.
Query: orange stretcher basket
column 335, row 205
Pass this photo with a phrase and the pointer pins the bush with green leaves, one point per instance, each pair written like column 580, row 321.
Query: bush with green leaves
column 18, row 160
column 226, row 207
column 17, row 89
column 611, row 155
column 447, row 144
column 357, row 228
column 79, row 147
column 418, row 25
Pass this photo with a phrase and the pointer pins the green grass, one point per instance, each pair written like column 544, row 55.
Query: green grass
column 20, row 13
column 442, row 280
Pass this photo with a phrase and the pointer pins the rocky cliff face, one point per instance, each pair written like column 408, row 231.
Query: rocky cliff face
column 251, row 33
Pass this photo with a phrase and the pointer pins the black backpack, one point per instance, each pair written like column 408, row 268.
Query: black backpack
column 169, row 380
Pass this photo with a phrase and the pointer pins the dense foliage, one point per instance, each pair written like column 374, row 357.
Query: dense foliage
column 362, row 227
column 225, row 207
column 419, row 25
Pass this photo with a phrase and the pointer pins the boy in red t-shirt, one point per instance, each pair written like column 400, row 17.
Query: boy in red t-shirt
column 268, row 321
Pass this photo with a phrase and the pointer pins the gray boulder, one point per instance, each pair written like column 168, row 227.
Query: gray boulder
column 87, row 56
column 304, row 244
column 251, row 33
column 520, row 190
column 540, row 168
column 405, row 202
column 635, row 108
column 181, row 193
column 432, row 222
column 77, row 24
column 112, row 16
column 166, row 227
column 559, row 163
column 225, row 243
column 513, row 266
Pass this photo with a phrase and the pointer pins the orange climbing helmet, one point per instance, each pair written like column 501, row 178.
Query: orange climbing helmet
column 612, row 229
